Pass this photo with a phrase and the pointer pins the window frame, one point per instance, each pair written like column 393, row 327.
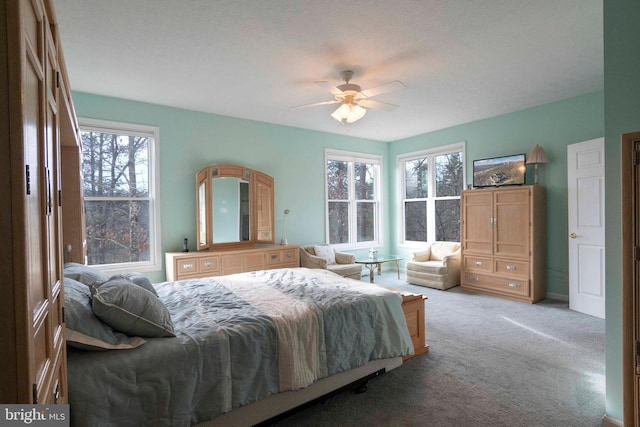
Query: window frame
column 153, row 133
column 431, row 155
column 355, row 157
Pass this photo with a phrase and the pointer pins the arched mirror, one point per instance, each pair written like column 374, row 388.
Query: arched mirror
column 234, row 207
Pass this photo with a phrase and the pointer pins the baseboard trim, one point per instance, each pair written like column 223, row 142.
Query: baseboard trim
column 611, row 422
column 558, row 297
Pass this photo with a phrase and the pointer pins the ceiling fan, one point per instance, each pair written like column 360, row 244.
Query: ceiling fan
column 353, row 99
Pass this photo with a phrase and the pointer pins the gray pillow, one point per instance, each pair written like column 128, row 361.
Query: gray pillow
column 131, row 309
column 90, row 276
column 138, row 279
column 83, row 329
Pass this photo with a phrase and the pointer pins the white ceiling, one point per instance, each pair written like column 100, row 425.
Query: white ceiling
column 460, row 60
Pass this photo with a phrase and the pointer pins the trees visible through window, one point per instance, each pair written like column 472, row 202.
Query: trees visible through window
column 119, row 194
column 432, row 185
column 352, row 198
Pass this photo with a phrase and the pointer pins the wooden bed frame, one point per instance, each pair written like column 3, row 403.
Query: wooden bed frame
column 277, row 404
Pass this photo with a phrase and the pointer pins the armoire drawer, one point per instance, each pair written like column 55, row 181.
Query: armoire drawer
column 479, row 264
column 512, row 268
column 519, row 287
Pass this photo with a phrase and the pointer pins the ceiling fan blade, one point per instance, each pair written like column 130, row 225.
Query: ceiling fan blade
column 377, row 105
column 328, row 86
column 333, row 101
column 387, row 87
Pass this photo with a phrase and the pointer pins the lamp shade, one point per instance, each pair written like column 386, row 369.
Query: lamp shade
column 537, row 156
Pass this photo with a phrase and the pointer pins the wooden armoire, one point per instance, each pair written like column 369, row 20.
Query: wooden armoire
column 37, row 120
column 503, row 242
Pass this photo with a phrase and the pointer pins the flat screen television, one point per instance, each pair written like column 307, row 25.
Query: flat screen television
column 499, row 171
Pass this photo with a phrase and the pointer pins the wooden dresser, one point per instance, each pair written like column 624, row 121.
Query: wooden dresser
column 504, row 242
column 190, row 265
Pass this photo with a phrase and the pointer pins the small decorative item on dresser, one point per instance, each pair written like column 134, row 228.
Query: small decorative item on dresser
column 185, row 245
column 284, row 241
column 373, row 253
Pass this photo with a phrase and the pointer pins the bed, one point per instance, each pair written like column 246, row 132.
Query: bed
column 235, row 350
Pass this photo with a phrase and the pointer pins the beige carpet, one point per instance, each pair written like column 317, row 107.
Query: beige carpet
column 492, row 362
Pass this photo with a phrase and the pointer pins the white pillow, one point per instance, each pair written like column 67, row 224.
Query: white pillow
column 326, row 252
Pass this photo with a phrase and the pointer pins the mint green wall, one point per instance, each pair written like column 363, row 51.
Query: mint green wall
column 621, row 115
column 190, row 140
column 552, row 126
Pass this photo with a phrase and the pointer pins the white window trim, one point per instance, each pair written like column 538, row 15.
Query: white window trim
column 351, row 156
column 431, row 153
column 155, row 260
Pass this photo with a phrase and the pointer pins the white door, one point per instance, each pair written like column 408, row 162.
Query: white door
column 585, row 173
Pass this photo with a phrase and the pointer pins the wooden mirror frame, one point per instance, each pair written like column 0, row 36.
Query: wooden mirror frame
column 261, row 199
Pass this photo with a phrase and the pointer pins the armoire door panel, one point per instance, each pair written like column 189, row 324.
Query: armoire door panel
column 33, row 26
column 53, row 390
column 41, row 352
column 35, row 202
column 477, row 221
column 511, row 224
column 57, row 305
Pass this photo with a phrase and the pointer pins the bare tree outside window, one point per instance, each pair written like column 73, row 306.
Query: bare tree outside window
column 116, row 191
column 338, row 195
column 432, row 188
column 352, row 201
column 365, row 198
column 416, row 193
column 449, row 185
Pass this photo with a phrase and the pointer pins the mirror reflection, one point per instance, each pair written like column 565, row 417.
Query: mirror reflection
column 231, row 207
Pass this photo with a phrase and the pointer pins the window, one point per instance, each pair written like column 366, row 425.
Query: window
column 432, row 183
column 353, row 198
column 120, row 170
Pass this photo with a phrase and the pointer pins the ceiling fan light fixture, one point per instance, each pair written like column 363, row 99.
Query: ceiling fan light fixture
column 349, row 113
column 356, row 113
column 341, row 113
column 350, row 96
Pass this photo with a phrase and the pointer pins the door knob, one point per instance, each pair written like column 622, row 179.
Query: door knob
column 573, row 235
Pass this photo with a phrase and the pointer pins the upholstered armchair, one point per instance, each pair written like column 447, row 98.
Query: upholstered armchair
column 438, row 266
column 326, row 257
